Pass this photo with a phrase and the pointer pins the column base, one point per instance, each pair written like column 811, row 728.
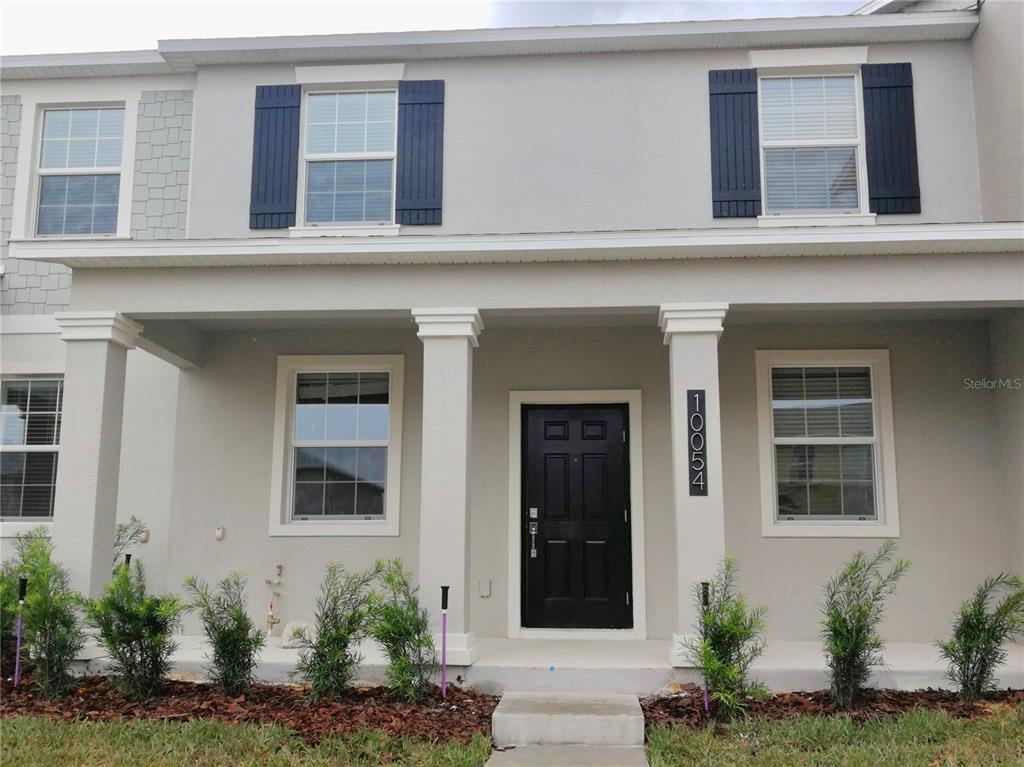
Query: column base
column 461, row 648
column 677, row 653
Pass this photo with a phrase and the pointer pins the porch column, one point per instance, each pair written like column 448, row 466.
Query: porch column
column 691, row 333
column 449, row 336
column 85, row 507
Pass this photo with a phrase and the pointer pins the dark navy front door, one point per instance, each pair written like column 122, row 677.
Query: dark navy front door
column 576, row 553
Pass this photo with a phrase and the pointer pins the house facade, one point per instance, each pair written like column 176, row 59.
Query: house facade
column 559, row 316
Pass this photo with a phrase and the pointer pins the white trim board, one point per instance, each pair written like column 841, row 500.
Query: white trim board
column 632, row 398
column 809, row 241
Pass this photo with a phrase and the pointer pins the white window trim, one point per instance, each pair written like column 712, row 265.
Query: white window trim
column 10, row 528
column 39, row 171
column 808, row 58
column 362, row 74
column 877, row 360
column 125, row 181
column 281, row 486
column 304, row 228
column 862, row 215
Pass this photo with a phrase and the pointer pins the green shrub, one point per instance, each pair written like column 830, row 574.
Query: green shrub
column 53, row 631
column 52, row 628
column 853, row 609
column 730, row 636
column 981, row 632
column 234, row 641
column 328, row 662
column 8, row 599
column 403, row 629
column 137, row 631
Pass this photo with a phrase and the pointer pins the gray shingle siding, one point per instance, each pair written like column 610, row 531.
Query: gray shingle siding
column 26, row 287
column 163, row 152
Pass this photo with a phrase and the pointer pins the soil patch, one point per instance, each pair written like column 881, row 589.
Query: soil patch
column 687, row 707
column 94, row 698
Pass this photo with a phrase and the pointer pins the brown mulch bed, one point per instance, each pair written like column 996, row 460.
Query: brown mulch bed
column 94, row 698
column 687, row 707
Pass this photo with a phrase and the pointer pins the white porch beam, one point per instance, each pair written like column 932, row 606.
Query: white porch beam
column 85, row 511
column 449, row 336
column 178, row 343
column 691, row 333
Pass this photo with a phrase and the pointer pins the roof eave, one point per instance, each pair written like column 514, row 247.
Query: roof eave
column 175, row 56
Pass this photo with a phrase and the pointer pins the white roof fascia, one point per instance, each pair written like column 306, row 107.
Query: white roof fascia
column 185, row 55
column 732, row 33
column 881, row 6
column 902, row 239
column 73, row 65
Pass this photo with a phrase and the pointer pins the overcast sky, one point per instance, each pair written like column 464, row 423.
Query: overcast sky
column 44, row 26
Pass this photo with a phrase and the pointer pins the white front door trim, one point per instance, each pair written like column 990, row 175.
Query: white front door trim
column 632, row 398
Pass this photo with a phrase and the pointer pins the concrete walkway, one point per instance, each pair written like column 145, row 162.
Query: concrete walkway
column 561, row 729
column 595, row 666
column 568, row 756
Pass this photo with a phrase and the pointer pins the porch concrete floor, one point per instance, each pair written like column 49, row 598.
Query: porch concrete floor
column 631, row 667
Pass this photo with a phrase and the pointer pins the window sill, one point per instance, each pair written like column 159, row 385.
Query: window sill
column 367, row 230
column 847, row 219
column 828, row 529
column 12, row 528
column 354, row 529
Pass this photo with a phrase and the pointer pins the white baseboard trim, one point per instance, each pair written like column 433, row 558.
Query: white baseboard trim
column 676, row 652
column 462, row 650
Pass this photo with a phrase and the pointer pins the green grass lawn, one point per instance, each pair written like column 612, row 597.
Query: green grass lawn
column 920, row 738
column 37, row 742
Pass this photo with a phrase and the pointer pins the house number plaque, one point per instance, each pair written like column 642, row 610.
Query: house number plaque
column 697, row 442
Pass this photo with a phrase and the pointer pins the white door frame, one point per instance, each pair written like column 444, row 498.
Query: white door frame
column 632, row 399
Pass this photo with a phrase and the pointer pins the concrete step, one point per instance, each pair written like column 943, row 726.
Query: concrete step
column 543, row 719
column 569, row 756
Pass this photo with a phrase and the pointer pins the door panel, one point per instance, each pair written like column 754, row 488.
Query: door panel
column 576, row 567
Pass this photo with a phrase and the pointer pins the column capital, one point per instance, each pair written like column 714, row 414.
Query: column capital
column 691, row 318
column 98, row 326
column 449, row 322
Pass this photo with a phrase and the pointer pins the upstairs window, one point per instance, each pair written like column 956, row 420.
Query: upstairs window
column 812, row 144
column 80, row 170
column 350, row 157
column 29, row 443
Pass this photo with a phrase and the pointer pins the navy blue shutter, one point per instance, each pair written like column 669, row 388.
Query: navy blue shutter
column 275, row 157
column 890, row 138
column 735, row 148
column 420, row 152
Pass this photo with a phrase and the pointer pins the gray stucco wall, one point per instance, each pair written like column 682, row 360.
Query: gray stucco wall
column 953, row 517
column 147, row 440
column 222, row 459
column 952, row 506
column 998, row 62
column 584, row 142
column 25, row 288
column 163, row 150
column 1008, row 398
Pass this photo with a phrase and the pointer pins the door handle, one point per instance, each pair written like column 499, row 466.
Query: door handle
column 533, row 540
